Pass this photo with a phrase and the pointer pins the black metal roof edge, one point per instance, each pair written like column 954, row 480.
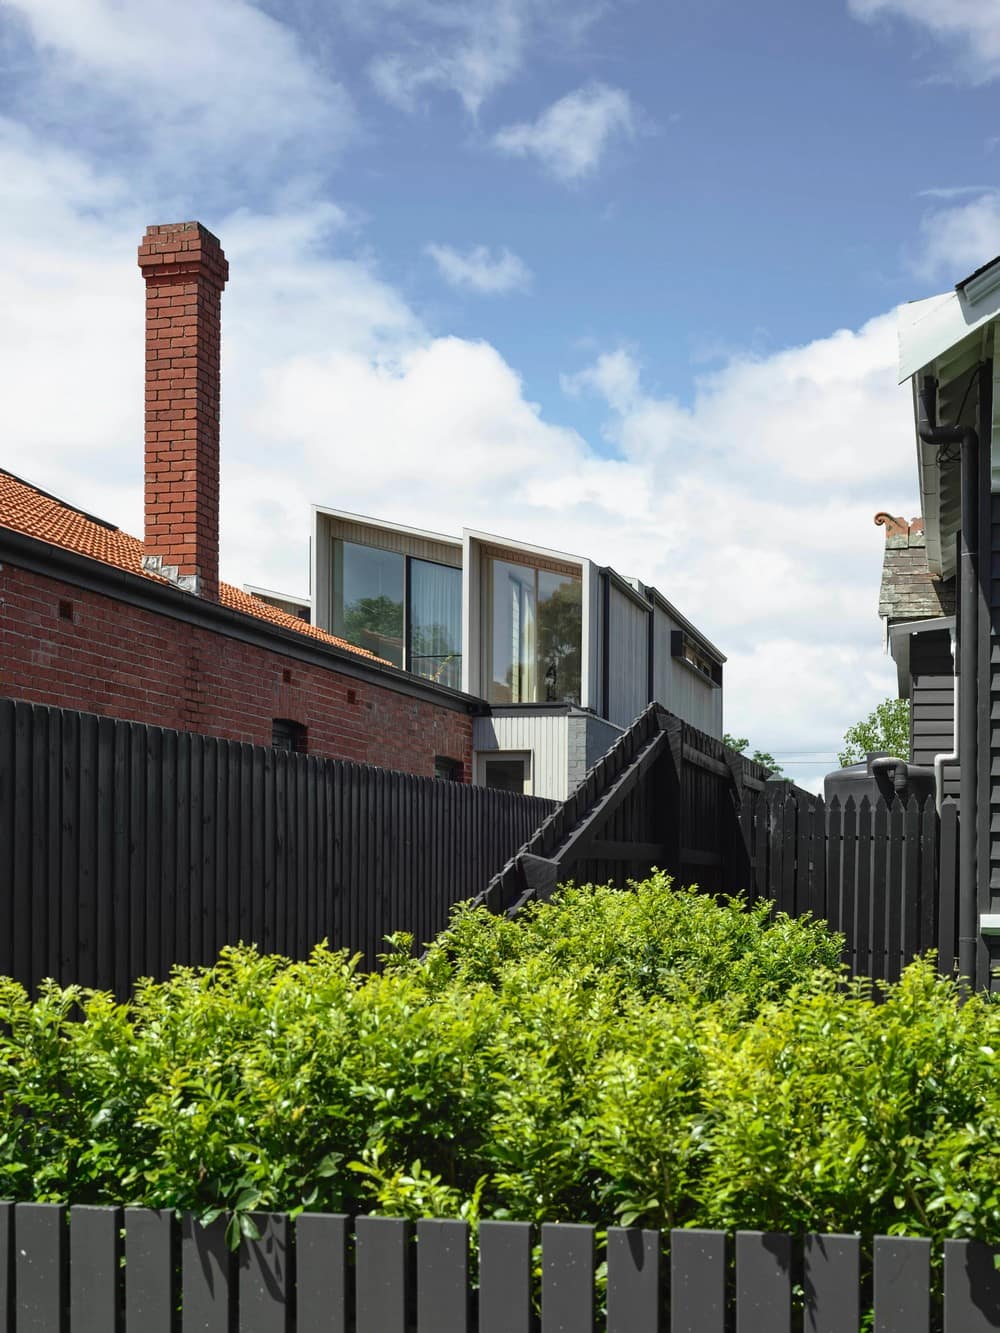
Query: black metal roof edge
column 657, row 598
column 964, row 282
column 52, row 561
column 705, row 679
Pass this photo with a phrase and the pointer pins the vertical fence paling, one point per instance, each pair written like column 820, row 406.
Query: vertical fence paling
column 126, row 848
column 883, row 876
column 61, row 1271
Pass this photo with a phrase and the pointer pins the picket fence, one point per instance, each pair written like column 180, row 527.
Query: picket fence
column 133, row 1270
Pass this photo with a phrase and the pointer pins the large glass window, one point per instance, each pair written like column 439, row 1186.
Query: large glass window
column 435, row 628
column 406, row 610
column 535, row 625
column 368, row 599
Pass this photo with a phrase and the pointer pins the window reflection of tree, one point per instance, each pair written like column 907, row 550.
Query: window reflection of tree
column 376, row 623
column 560, row 627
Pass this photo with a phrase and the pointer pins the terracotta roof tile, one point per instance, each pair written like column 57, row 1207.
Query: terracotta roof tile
column 34, row 512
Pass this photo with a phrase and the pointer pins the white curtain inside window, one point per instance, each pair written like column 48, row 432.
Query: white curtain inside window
column 436, row 622
column 522, row 649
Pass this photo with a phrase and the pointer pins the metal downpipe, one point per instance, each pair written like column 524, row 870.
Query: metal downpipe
column 968, row 654
column 968, row 742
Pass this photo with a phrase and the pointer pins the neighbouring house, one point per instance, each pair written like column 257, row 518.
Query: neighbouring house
column 475, row 658
column 918, row 610
column 941, row 586
column 565, row 652
column 94, row 619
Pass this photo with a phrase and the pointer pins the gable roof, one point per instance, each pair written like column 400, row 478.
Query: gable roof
column 28, row 509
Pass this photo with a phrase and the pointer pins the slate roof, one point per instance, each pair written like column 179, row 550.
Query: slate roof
column 909, row 591
column 36, row 513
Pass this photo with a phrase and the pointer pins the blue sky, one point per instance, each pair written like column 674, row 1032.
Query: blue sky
column 617, row 277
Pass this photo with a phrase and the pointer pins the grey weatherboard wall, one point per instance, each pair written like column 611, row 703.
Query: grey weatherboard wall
column 988, row 673
column 932, row 703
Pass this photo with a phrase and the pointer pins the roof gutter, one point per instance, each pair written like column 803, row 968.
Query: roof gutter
column 56, row 562
column 968, row 620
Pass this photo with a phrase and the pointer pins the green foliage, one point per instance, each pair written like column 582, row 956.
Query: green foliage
column 654, row 1057
column 887, row 727
column 762, row 757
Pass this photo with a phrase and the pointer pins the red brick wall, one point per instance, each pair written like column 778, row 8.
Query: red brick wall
column 122, row 661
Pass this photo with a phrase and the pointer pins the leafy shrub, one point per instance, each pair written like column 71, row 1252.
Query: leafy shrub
column 654, row 942
column 654, row 1057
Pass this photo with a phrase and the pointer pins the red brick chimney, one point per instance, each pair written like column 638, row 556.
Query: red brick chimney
column 185, row 272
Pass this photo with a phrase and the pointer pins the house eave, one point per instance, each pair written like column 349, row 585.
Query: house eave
column 931, row 328
column 946, row 337
column 899, row 645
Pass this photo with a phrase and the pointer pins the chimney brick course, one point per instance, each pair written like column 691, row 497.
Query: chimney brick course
column 185, row 271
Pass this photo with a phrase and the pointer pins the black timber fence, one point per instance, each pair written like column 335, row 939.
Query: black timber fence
column 885, row 875
column 133, row 1270
column 127, row 848
column 664, row 794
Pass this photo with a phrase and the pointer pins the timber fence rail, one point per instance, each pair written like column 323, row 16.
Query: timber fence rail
column 885, row 875
column 127, row 848
column 663, row 795
column 132, row 1270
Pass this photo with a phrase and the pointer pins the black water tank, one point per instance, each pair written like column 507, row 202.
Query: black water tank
column 880, row 775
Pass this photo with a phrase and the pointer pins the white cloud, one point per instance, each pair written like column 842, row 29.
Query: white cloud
column 479, row 270
column 220, row 81
column 952, row 191
column 956, row 241
column 571, row 136
column 614, row 375
column 970, row 27
column 472, row 49
column 750, row 507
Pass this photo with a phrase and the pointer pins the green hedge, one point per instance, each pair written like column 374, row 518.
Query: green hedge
column 650, row 1056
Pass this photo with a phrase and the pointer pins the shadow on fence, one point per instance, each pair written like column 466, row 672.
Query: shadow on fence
column 366, row 1276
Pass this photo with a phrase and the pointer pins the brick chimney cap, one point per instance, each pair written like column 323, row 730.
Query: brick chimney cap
column 176, row 248
column 173, row 228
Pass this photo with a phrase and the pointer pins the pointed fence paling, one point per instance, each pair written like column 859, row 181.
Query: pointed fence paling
column 92, row 1269
column 883, row 875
